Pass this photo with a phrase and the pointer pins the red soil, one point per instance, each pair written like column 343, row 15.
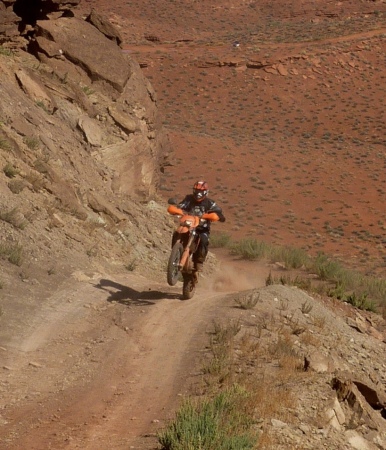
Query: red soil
column 294, row 151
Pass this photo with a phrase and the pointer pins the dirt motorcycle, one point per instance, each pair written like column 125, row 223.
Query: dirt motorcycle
column 186, row 241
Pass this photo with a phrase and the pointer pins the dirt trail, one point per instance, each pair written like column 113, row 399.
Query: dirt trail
column 106, row 360
column 224, row 50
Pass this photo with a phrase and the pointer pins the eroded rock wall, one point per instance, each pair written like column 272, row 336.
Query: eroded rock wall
column 82, row 68
column 80, row 133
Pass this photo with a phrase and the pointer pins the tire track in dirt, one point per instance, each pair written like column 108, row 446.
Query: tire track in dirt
column 114, row 371
column 168, row 346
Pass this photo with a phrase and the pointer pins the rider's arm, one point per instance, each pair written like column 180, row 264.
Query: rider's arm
column 185, row 203
column 215, row 208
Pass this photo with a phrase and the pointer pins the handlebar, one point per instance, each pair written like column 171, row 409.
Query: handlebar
column 173, row 209
column 211, row 216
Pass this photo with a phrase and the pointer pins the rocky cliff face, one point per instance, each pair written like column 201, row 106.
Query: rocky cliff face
column 81, row 144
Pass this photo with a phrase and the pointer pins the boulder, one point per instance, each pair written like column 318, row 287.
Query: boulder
column 9, row 22
column 319, row 363
column 104, row 26
column 123, row 120
column 256, row 64
column 100, row 204
column 91, row 129
column 35, row 90
column 83, row 45
column 365, row 402
column 133, row 166
column 358, row 442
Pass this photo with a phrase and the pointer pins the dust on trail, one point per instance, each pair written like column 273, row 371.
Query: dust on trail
column 234, row 274
column 107, row 359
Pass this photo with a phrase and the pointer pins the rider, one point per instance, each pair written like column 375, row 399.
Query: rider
column 197, row 204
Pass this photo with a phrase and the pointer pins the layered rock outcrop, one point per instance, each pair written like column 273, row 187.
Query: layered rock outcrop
column 81, row 141
column 86, row 82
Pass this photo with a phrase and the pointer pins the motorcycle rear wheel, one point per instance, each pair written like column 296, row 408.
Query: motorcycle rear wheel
column 174, row 260
column 189, row 286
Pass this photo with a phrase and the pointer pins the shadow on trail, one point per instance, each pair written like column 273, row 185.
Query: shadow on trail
column 129, row 296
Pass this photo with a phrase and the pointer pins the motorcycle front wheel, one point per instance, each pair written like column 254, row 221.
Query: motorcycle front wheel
column 174, row 260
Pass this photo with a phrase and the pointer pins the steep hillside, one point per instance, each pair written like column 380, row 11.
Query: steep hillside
column 81, row 152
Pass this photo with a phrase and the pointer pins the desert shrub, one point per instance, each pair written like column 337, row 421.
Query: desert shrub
column 10, row 171
column 286, row 355
column 338, row 291
column 87, row 90
column 36, row 180
column 293, row 258
column 337, row 281
column 220, row 240
column 16, row 255
column 248, row 301
column 306, row 307
column 223, row 422
column 42, row 106
column 363, row 292
column 223, row 331
column 32, row 142
column 5, row 51
column 361, row 301
column 14, row 217
column 5, row 145
column 221, row 343
column 41, row 165
column 298, row 281
column 131, row 265
column 12, row 252
column 270, row 279
column 376, row 288
column 250, row 249
column 326, row 268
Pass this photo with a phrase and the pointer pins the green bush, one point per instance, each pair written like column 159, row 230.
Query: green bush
column 14, row 217
column 5, row 145
column 32, row 142
column 361, row 291
column 326, row 268
column 10, row 171
column 14, row 253
column 250, row 249
column 5, row 51
column 293, row 258
column 219, row 423
column 219, row 240
column 360, row 301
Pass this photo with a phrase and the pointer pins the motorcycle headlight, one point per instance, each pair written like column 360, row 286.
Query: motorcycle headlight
column 188, row 223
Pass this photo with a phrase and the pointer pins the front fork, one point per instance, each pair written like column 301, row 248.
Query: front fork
column 186, row 262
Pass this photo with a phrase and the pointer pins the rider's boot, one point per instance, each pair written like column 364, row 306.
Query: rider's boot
column 198, row 266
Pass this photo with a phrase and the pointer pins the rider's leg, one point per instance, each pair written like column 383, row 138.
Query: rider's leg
column 201, row 252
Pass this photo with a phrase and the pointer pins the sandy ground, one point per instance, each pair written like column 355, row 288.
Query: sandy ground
column 106, row 360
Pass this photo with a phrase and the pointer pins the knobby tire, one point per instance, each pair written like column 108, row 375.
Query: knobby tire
column 189, row 287
column 174, row 259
